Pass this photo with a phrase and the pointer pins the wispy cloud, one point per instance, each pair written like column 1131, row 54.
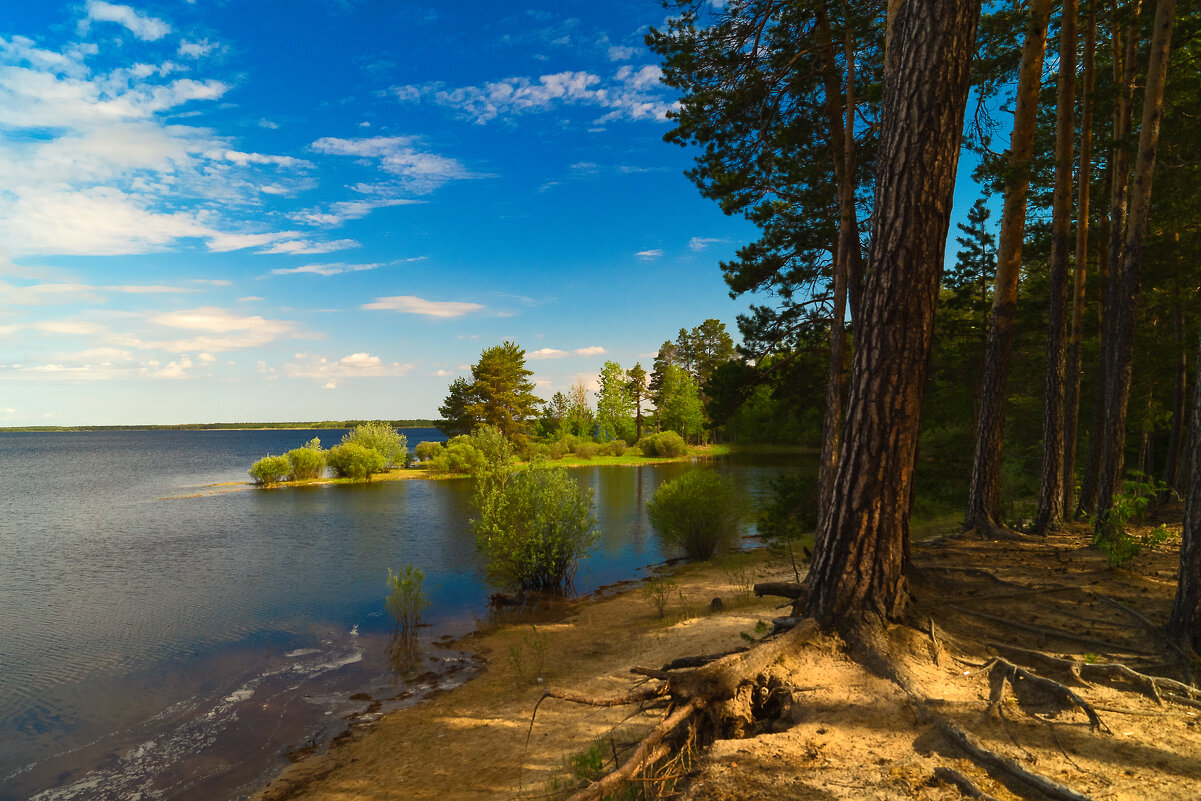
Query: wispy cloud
column 356, row 365
column 307, row 247
column 413, row 170
column 336, row 268
column 594, row 350
column 629, row 94
column 410, row 304
column 140, row 25
column 649, row 254
column 699, row 243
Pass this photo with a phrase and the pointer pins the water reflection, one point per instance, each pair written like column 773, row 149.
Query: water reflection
column 403, row 654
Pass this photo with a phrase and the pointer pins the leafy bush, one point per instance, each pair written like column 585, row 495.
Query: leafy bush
column 270, row 470
column 1130, row 505
column 406, row 599
column 533, row 528
column 351, row 460
column 586, row 450
column 428, row 450
column 557, row 450
column 659, row 592
column 616, row 447
column 698, row 512
column 457, row 456
column 308, row 462
column 664, row 444
column 383, row 439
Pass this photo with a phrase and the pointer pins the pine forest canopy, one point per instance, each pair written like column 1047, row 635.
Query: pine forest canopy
column 1060, row 344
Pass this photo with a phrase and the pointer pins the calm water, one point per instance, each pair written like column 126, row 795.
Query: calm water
column 161, row 637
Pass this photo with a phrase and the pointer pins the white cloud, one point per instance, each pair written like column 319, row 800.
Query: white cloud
column 356, row 365
column 443, row 373
column 546, row 353
column 594, row 350
column 699, row 243
column 649, row 254
column 325, row 269
column 249, row 299
column 622, row 53
column 196, row 49
column 218, row 329
column 140, row 25
column 430, row 308
column 414, row 170
column 307, row 247
column 338, row 213
column 627, row 95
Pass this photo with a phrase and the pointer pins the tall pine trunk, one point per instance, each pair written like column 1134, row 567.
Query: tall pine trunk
column 1120, row 327
column 1125, row 49
column 1050, row 496
column 848, row 268
column 858, row 572
column 1171, row 469
column 983, row 509
column 1185, row 622
column 1071, row 404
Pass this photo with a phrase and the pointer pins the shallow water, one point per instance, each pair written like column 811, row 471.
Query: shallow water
column 163, row 638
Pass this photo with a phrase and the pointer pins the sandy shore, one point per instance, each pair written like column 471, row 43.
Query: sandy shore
column 848, row 734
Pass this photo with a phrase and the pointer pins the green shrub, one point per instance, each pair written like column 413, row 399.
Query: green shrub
column 616, row 447
column 406, row 598
column 557, row 450
column 351, row 460
column 698, row 512
column 659, row 592
column 662, row 445
column 270, row 470
column 458, row 455
column 1130, row 505
column 383, row 439
column 586, row 450
column 428, row 450
column 533, row 528
column 308, row 462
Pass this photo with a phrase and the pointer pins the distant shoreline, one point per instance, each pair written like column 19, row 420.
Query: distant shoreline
column 300, row 426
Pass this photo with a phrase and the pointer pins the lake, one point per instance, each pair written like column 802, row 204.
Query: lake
column 163, row 637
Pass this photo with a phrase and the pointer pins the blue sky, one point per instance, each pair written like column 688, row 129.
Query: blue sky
column 325, row 209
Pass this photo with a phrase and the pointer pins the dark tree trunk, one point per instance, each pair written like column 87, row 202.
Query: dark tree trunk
column 858, row 572
column 1050, row 496
column 1185, row 622
column 1124, row 50
column 1120, row 326
column 1171, row 470
column 983, row 511
column 848, row 269
column 1071, row 419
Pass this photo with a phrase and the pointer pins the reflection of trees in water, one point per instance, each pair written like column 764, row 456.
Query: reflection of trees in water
column 403, row 653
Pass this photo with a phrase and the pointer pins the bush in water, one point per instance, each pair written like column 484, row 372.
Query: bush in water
column 698, row 512
column 350, row 460
column 308, row 462
column 270, row 470
column 383, row 438
column 533, row 527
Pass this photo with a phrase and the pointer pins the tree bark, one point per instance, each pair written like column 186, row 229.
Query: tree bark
column 1171, row 469
column 1185, row 622
column 1050, row 500
column 1124, row 50
column 983, row 512
column 1071, row 420
column 848, row 269
column 1120, row 324
column 858, row 572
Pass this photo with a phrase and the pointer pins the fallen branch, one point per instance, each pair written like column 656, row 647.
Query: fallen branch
column 632, row 697
column 965, row 785
column 782, row 589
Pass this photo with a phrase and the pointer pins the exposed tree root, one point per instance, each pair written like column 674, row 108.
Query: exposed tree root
column 781, row 589
column 1155, row 687
column 1102, row 645
column 1030, row 688
column 965, row 785
column 699, row 661
column 1003, row 763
